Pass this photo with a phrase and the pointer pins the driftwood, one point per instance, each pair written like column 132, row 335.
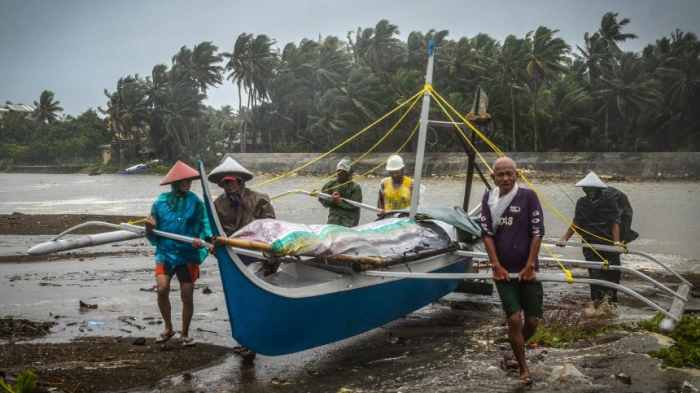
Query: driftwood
column 22, row 328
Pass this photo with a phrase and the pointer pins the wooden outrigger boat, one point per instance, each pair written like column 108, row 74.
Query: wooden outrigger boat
column 312, row 301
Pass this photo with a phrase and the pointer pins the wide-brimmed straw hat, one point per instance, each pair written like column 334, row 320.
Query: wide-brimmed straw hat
column 229, row 168
column 179, row 171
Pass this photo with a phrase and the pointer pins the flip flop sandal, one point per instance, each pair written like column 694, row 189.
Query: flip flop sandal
column 163, row 338
column 187, row 341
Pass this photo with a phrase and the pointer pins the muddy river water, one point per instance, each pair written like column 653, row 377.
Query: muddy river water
column 666, row 214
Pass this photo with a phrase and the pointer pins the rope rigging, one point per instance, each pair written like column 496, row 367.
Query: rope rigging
column 453, row 115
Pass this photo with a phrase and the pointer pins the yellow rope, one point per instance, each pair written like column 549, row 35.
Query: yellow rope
column 342, row 144
column 314, row 192
column 569, row 277
column 461, row 132
column 416, row 98
column 415, row 101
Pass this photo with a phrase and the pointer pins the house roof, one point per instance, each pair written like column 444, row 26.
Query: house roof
column 22, row 108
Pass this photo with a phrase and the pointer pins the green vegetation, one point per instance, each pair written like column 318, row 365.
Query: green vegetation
column 685, row 352
column 25, row 141
column 566, row 327
column 543, row 95
column 26, row 382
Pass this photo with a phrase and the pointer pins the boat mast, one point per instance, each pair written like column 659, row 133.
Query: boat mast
column 421, row 132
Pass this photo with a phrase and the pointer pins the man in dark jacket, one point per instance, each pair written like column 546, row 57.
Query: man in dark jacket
column 238, row 206
column 605, row 216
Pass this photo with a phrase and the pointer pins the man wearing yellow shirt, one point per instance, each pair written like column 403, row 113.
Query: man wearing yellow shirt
column 395, row 190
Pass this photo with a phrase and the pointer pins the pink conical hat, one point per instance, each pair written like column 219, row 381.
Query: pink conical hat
column 179, row 171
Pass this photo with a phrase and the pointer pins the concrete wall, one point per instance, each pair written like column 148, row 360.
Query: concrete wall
column 633, row 165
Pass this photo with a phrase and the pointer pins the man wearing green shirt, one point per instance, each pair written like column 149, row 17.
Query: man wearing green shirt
column 341, row 212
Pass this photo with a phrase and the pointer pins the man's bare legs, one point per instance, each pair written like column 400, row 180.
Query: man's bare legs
column 187, row 297
column 163, row 290
column 518, row 334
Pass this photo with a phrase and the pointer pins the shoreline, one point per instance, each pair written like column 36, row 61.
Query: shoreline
column 559, row 165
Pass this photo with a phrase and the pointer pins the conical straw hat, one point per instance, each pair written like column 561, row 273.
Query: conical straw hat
column 179, row 171
column 227, row 168
column 591, row 180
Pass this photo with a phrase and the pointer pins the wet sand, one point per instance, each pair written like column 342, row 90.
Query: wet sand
column 453, row 345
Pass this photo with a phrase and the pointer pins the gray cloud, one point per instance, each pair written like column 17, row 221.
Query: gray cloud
column 78, row 48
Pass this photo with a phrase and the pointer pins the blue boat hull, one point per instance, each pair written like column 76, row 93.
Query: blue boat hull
column 277, row 325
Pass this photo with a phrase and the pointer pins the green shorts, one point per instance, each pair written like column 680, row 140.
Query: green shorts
column 521, row 295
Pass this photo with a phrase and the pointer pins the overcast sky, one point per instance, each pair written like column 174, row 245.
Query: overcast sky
column 78, row 48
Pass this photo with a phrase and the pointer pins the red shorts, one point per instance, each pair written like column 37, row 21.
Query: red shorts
column 187, row 273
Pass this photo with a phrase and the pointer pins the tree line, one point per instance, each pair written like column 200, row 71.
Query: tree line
column 543, row 95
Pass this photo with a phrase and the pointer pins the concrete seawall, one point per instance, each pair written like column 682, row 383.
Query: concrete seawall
column 571, row 165
column 631, row 165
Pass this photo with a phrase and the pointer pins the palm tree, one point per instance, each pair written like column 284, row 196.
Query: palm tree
column 205, row 69
column 198, row 66
column 329, row 64
column 156, row 90
column 236, row 65
column 461, row 62
column 46, row 109
column 546, row 56
column 628, row 92
column 680, row 72
column 611, row 32
column 183, row 104
column 378, row 49
column 252, row 65
column 511, row 61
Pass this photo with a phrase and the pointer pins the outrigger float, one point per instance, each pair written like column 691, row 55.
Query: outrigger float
column 311, row 301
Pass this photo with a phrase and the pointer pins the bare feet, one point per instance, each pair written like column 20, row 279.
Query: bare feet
column 525, row 379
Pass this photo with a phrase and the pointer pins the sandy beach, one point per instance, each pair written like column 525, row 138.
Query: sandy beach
column 453, row 345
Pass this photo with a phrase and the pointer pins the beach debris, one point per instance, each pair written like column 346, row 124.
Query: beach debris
column 404, row 356
column 85, row 306
column 130, row 321
column 22, row 328
column 567, row 372
column 155, row 289
column 204, row 330
column 283, row 382
column 96, row 323
column 206, row 290
column 49, row 284
column 139, row 341
column 624, row 378
column 398, row 340
column 688, row 387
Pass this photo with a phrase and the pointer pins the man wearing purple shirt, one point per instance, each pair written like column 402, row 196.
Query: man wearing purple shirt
column 512, row 227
